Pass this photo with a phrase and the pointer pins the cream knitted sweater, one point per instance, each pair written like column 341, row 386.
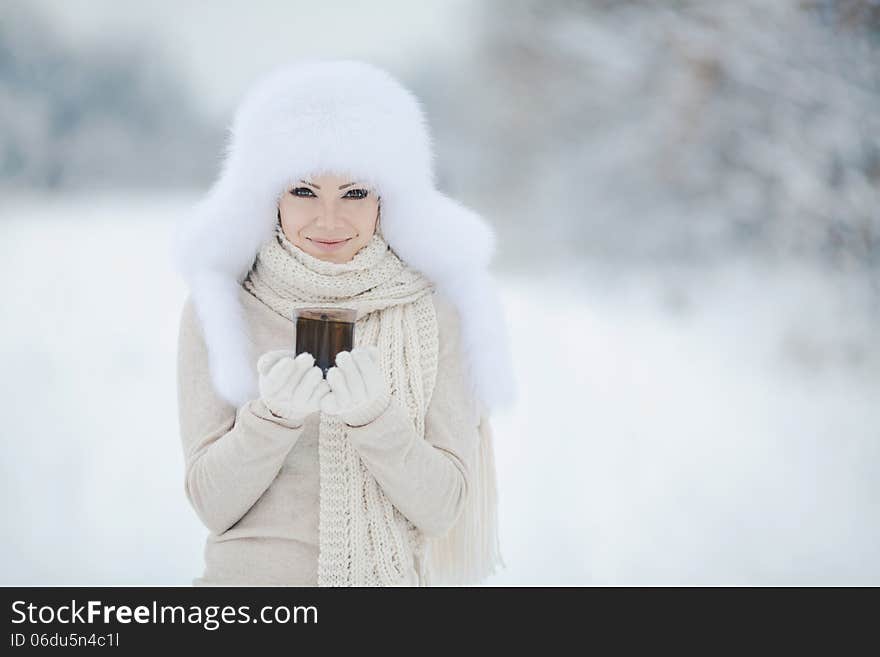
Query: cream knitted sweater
column 253, row 480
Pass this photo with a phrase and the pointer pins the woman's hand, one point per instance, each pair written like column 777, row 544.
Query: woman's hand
column 358, row 389
column 291, row 387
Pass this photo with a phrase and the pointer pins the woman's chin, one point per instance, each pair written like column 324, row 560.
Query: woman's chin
column 337, row 257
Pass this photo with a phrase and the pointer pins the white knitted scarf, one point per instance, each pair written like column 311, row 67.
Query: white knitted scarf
column 364, row 540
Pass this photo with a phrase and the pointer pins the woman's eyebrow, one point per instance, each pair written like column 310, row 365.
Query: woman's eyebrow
column 314, row 185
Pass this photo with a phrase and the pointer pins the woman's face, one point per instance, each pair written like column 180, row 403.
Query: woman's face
column 329, row 217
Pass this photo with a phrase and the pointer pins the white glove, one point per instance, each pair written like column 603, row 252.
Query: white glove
column 291, row 387
column 358, row 389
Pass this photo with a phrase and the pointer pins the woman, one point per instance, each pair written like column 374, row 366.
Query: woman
column 382, row 473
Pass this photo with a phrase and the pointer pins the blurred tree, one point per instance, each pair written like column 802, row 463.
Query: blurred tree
column 112, row 116
column 680, row 129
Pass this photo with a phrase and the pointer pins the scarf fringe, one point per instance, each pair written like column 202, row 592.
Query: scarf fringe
column 471, row 551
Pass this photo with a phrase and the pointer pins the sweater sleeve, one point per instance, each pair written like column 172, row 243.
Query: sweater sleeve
column 231, row 455
column 428, row 478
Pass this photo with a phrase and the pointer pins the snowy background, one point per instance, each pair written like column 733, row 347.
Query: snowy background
column 687, row 208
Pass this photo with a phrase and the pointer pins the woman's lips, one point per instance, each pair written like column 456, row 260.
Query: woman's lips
column 328, row 246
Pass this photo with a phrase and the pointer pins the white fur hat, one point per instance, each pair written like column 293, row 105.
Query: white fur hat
column 349, row 118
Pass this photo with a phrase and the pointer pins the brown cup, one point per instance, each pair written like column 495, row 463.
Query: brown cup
column 324, row 332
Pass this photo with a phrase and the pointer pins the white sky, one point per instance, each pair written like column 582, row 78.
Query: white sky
column 222, row 46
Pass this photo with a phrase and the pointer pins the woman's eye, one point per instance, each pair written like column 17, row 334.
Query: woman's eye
column 302, row 191
column 358, row 193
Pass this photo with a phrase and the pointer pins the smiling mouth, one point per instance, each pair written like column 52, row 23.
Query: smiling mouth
column 328, row 247
column 328, row 241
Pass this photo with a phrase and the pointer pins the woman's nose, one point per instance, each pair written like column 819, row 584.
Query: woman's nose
column 326, row 220
column 328, row 217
